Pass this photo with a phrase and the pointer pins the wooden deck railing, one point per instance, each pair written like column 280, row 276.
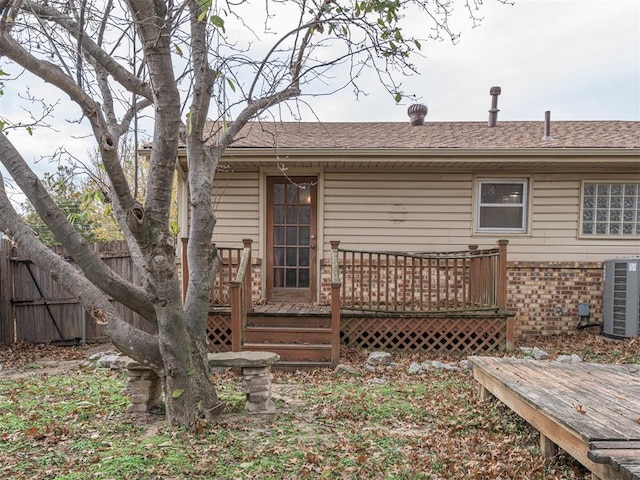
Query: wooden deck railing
column 220, row 292
column 240, row 294
column 470, row 280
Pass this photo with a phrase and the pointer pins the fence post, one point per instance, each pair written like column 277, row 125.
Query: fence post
column 335, row 303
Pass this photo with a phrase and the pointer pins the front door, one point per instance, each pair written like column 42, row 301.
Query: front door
column 291, row 239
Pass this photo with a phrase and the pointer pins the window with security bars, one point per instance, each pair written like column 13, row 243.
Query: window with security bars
column 611, row 209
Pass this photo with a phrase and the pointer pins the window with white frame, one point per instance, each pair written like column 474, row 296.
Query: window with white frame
column 611, row 208
column 502, row 205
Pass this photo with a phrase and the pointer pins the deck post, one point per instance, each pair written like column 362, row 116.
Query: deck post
column 502, row 274
column 235, row 297
column 335, row 303
column 474, row 273
column 548, row 448
column 502, row 292
column 185, row 268
column 248, row 278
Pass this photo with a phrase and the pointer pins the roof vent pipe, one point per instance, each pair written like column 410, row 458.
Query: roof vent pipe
column 417, row 113
column 547, row 126
column 493, row 111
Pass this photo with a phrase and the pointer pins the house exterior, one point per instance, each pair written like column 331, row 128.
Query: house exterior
column 566, row 196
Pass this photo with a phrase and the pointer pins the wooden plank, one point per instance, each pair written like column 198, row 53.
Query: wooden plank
column 6, row 313
column 533, row 404
column 612, row 444
column 572, row 388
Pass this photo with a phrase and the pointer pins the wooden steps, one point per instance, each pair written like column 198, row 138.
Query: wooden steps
column 302, row 339
column 292, row 335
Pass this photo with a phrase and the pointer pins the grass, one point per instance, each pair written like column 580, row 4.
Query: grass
column 392, row 426
column 73, row 425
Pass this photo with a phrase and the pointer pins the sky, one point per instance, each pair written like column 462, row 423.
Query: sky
column 580, row 59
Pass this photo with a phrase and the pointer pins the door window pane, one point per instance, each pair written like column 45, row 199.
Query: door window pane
column 292, row 236
column 278, row 257
column 278, row 235
column 291, row 278
column 303, row 278
column 303, row 257
column 292, row 257
column 305, row 195
column 278, row 277
column 305, row 215
column 292, row 193
column 278, row 214
column 305, row 235
column 292, row 215
column 278, row 193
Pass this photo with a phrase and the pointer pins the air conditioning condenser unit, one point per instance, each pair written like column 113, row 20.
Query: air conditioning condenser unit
column 621, row 300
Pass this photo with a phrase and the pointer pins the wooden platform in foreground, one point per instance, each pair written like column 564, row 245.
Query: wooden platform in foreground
column 591, row 411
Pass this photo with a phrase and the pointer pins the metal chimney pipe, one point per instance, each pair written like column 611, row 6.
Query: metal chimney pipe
column 493, row 111
column 547, row 126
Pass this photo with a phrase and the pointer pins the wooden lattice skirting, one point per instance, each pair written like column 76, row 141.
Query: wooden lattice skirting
column 462, row 333
column 473, row 333
column 219, row 332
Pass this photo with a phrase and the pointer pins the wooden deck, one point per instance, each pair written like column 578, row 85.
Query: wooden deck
column 591, row 411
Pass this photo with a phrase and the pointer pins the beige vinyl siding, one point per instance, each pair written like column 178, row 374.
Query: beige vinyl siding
column 433, row 212
column 397, row 211
column 236, row 206
column 555, row 222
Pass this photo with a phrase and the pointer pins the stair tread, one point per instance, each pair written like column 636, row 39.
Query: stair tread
column 318, row 346
column 289, row 329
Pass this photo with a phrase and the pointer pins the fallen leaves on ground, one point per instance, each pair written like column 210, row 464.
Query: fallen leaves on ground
column 383, row 425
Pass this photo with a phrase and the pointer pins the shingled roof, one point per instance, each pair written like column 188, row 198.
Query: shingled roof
column 439, row 135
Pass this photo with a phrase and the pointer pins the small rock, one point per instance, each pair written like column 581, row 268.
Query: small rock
column 380, row 358
column 342, row 369
column 535, row 352
column 120, row 362
column 465, row 365
column 573, row 358
column 369, row 368
column 443, row 366
column 98, row 355
column 414, row 369
column 539, row 354
column 107, row 360
column 378, row 381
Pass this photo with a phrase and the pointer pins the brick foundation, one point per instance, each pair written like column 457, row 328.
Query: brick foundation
column 537, row 290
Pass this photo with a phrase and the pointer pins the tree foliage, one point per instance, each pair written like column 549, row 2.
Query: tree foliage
column 181, row 64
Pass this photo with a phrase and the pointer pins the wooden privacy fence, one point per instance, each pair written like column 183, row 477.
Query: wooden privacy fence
column 35, row 308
